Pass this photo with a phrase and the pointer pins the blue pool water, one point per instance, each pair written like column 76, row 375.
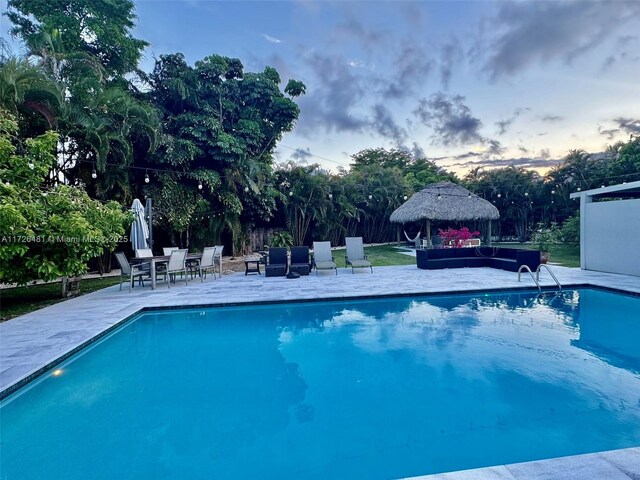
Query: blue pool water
column 370, row 389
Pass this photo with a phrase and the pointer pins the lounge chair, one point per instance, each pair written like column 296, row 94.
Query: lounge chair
column 322, row 257
column 300, row 260
column 132, row 271
column 355, row 254
column 277, row 266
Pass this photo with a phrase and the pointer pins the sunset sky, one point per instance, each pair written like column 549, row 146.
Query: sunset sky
column 464, row 83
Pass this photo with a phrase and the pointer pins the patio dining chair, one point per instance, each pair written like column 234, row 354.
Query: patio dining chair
column 132, row 271
column 355, row 254
column 167, row 250
column 175, row 265
column 323, row 258
column 218, row 259
column 207, row 262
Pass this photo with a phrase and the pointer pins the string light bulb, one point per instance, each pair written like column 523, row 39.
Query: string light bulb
column 199, row 185
column 146, row 178
column 291, row 193
column 330, row 196
column 246, row 189
column 370, row 197
column 94, row 174
column 31, row 165
column 405, row 197
column 469, row 196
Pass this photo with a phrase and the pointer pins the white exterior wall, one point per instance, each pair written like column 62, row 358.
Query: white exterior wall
column 610, row 236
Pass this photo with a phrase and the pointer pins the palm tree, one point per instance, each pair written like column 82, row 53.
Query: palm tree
column 25, row 89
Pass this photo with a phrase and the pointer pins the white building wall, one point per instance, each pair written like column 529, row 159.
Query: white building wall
column 610, row 239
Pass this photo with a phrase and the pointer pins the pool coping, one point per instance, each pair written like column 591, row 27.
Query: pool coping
column 452, row 285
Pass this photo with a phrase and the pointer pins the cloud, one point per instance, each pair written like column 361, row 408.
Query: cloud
column 385, row 125
column 628, row 125
column 369, row 38
column 541, row 32
column 503, row 125
column 462, row 156
column 551, row 118
column 450, row 54
column 452, row 121
column 411, row 67
column 335, row 96
column 494, row 147
column 523, row 149
column 271, row 39
column 525, row 162
column 301, row 155
column 610, row 133
column 544, row 154
column 608, row 62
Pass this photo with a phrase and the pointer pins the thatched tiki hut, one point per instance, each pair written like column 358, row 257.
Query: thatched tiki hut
column 445, row 201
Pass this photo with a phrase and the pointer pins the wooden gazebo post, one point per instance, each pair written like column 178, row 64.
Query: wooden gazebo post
column 428, row 233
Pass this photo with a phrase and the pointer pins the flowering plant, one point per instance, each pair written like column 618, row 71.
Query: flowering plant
column 456, row 238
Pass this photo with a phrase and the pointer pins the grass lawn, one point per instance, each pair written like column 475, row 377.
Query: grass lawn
column 380, row 256
column 21, row 300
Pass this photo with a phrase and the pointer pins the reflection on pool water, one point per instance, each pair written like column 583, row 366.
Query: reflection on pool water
column 361, row 389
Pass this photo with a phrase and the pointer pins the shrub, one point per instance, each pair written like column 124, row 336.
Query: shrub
column 47, row 232
column 456, row 238
column 281, row 239
column 544, row 237
column 570, row 231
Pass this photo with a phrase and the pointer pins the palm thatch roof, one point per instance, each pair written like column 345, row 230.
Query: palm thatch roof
column 444, row 201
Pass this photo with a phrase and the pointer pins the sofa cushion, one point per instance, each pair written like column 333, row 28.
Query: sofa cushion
column 464, row 252
column 446, row 263
column 476, row 262
column 438, row 253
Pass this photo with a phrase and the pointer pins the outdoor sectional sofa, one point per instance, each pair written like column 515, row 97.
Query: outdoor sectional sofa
column 510, row 259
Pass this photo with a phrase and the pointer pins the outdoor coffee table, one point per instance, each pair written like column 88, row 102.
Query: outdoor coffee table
column 252, row 265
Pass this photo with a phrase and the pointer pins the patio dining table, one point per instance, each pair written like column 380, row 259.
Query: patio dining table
column 159, row 260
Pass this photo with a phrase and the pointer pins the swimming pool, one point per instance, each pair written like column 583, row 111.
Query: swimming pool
column 361, row 389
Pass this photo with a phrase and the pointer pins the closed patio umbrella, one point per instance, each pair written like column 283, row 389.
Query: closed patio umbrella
column 139, row 228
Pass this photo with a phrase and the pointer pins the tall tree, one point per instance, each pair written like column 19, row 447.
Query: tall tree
column 101, row 29
column 221, row 126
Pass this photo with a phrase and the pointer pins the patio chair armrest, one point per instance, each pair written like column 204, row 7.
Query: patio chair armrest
column 346, row 259
column 138, row 266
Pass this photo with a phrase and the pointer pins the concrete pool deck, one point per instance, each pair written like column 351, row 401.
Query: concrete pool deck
column 30, row 343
